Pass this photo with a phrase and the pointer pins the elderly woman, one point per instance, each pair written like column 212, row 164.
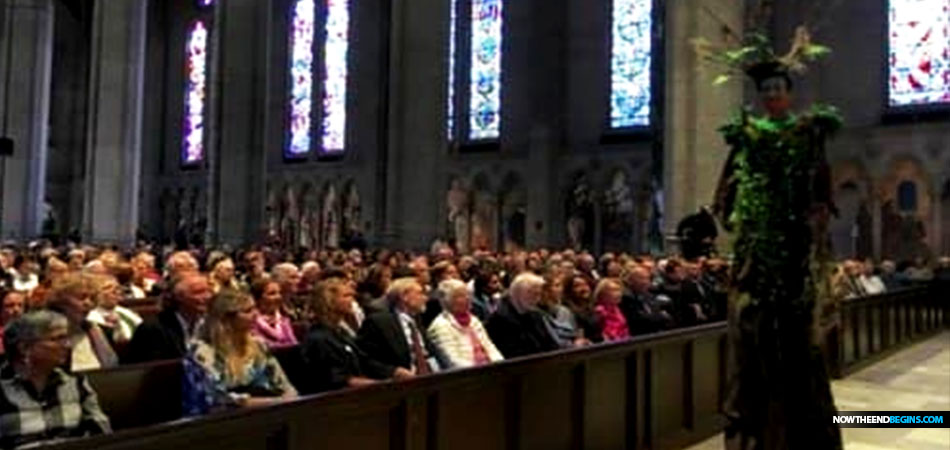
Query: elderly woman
column 271, row 325
column 607, row 297
column 557, row 317
column 36, row 389
column 332, row 357
column 517, row 327
column 72, row 295
column 226, row 366
column 457, row 333
column 119, row 322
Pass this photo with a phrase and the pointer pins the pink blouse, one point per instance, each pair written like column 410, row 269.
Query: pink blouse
column 276, row 331
column 615, row 324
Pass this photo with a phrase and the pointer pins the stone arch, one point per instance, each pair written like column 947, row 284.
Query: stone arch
column 484, row 218
column 513, row 212
column 904, row 234
column 287, row 212
column 851, row 229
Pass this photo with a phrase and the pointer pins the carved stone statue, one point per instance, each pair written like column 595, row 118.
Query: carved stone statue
column 352, row 211
column 331, row 219
column 580, row 209
column 459, row 215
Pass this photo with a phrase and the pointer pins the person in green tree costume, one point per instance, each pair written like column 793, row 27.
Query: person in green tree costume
column 775, row 196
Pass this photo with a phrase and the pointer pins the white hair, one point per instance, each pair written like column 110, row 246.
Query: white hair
column 448, row 289
column 520, row 286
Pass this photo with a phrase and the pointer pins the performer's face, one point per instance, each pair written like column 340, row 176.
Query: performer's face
column 775, row 96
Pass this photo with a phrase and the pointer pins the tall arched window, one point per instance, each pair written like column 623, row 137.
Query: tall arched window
column 475, row 70
column 630, row 66
column 919, row 59
column 301, row 78
column 196, row 75
column 306, row 18
column 335, row 75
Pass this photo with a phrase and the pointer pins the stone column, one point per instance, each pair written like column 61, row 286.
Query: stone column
column 26, row 52
column 417, row 141
column 114, row 141
column 876, row 225
column 239, row 90
column 694, row 153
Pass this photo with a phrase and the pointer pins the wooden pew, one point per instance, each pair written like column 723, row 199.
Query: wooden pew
column 139, row 394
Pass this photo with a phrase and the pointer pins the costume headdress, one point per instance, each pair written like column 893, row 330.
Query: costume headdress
column 753, row 54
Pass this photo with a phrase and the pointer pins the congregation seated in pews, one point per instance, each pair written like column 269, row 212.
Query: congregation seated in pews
column 188, row 339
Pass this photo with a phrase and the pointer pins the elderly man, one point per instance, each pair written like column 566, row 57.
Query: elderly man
column 166, row 335
column 517, row 328
column 287, row 276
column 639, row 306
column 39, row 402
column 393, row 336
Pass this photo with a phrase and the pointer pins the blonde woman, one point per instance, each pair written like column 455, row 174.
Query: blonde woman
column 118, row 321
column 72, row 295
column 226, row 366
column 457, row 333
column 221, row 275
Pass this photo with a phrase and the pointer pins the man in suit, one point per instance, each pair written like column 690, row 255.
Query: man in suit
column 166, row 335
column 638, row 305
column 393, row 336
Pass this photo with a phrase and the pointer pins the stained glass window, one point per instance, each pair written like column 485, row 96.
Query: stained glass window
column 453, row 16
column 335, row 73
column 630, row 63
column 919, row 61
column 196, row 61
column 485, row 70
column 301, row 77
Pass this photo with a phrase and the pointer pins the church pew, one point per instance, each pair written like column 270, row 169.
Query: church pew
column 656, row 391
column 139, row 395
column 875, row 327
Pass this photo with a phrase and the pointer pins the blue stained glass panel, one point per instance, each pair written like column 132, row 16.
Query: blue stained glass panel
column 335, row 72
column 919, row 60
column 301, row 77
column 196, row 62
column 485, row 82
column 631, row 51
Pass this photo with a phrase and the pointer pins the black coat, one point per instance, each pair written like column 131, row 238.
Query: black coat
column 519, row 334
column 331, row 357
column 158, row 338
column 643, row 314
column 382, row 338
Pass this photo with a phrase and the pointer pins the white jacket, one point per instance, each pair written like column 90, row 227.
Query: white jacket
column 453, row 342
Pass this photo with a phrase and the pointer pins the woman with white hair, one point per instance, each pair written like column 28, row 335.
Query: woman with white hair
column 457, row 333
column 517, row 327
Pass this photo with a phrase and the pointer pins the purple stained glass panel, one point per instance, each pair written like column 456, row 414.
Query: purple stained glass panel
column 301, row 77
column 919, row 60
column 485, row 83
column 335, row 73
column 630, row 63
column 196, row 62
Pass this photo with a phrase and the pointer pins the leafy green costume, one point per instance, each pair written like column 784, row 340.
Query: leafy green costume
column 775, row 194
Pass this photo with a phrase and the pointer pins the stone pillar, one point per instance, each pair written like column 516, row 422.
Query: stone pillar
column 417, row 137
column 239, row 90
column 694, row 152
column 26, row 52
column 114, row 141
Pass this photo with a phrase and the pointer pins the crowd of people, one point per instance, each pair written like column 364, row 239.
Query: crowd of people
column 356, row 318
